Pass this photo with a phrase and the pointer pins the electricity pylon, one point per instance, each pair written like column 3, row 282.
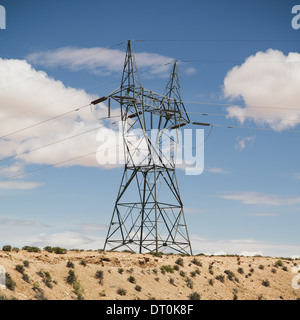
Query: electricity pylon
column 148, row 215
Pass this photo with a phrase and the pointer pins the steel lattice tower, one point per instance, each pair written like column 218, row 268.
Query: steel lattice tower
column 148, row 215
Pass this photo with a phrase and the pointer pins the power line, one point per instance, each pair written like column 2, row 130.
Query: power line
column 44, row 121
column 58, row 141
column 237, row 105
column 242, row 127
column 227, row 115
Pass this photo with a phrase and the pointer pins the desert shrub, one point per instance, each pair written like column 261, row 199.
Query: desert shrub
column 261, row 267
column 156, row 279
column 251, row 270
column 235, row 297
column 48, row 249
column 240, row 270
column 279, row 263
column 194, row 296
column 83, row 263
column 26, row 277
column 211, row 282
column 197, row 271
column 221, row 278
column 171, row 281
column 176, row 267
column 26, row 263
column 9, row 282
column 121, row 292
column 273, row 270
column 47, row 279
column 78, row 290
column 230, row 275
column 189, row 283
column 138, row 288
column 197, row 262
column 179, row 261
column 120, row 270
column 102, row 294
column 193, row 274
column 71, row 277
column 131, row 279
column 182, row 273
column 6, row 248
column 167, row 268
column 284, row 268
column 59, row 250
column 20, row 268
column 40, row 295
column 129, row 270
column 70, row 264
column 31, row 249
column 99, row 275
column 266, row 283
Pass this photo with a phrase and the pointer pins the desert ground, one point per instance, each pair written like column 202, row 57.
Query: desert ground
column 96, row 275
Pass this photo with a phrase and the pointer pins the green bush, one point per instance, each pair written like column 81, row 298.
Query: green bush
column 266, row 283
column 278, row 263
column 221, row 278
column 121, row 292
column 240, row 270
column 189, row 283
column 78, row 290
column 20, row 268
column 70, row 264
column 9, row 282
column 31, row 249
column 197, row 262
column 99, row 275
column 230, row 275
column 83, row 263
column 26, row 277
column 167, row 268
column 194, row 296
column 120, row 270
column 48, row 249
column 59, row 250
column 179, row 261
column 71, row 277
column 261, row 267
column 26, row 263
column 131, row 279
column 138, row 288
column 6, row 248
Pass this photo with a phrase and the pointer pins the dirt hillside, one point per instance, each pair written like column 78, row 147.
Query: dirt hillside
column 120, row 275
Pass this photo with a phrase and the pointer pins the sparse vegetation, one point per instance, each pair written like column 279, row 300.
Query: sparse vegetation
column 194, row 296
column 20, row 268
column 70, row 264
column 221, row 278
column 120, row 270
column 240, row 270
column 167, row 268
column 261, row 267
column 82, row 263
column 71, row 277
column 9, row 282
column 6, row 248
column 189, row 283
column 78, row 290
column 26, row 277
column 138, row 288
column 266, row 283
column 279, row 263
column 121, row 292
column 179, row 261
column 26, row 263
column 31, row 249
column 197, row 262
column 131, row 279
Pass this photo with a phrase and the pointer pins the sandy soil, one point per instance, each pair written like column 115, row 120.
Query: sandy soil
column 246, row 282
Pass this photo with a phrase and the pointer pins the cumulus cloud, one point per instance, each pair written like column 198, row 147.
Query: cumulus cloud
column 100, row 60
column 268, row 83
column 28, row 97
column 241, row 143
column 257, row 198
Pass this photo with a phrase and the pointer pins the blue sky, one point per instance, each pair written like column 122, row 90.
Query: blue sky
column 248, row 197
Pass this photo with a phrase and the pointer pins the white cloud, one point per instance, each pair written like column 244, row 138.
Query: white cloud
column 246, row 247
column 20, row 223
column 66, row 239
column 257, row 198
column 27, row 97
column 100, row 60
column 19, row 185
column 269, row 80
column 241, row 143
column 216, row 170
